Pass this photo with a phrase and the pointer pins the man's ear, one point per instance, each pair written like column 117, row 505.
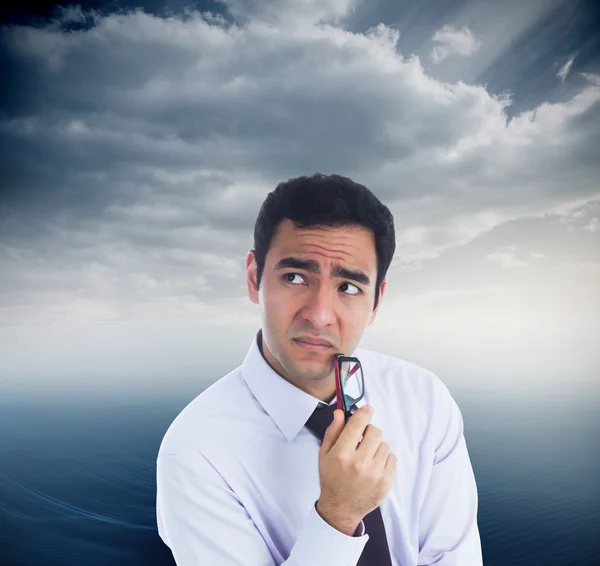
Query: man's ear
column 376, row 309
column 252, row 277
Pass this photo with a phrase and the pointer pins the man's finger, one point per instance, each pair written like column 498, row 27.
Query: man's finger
column 333, row 431
column 352, row 433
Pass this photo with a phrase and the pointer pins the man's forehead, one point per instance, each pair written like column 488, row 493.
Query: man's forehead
column 338, row 245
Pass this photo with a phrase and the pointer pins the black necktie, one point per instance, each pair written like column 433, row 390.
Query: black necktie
column 376, row 551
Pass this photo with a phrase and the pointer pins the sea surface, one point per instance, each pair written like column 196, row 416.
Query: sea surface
column 77, row 480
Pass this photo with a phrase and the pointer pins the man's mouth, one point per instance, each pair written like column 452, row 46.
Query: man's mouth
column 316, row 344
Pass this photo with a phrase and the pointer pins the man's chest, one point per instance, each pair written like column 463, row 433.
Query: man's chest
column 277, row 482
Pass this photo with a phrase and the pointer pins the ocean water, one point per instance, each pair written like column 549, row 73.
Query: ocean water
column 77, row 480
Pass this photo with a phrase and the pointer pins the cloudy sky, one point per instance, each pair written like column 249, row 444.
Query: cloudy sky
column 138, row 145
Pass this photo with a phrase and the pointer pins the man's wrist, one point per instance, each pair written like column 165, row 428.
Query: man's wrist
column 337, row 520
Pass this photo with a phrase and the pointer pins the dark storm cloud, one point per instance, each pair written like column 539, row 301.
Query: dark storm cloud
column 138, row 148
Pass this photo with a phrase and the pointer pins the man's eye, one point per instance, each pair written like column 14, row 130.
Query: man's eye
column 352, row 289
column 290, row 278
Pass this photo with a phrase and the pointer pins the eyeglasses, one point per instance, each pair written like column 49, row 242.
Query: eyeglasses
column 349, row 382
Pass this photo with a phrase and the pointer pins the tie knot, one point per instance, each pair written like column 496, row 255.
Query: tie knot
column 320, row 419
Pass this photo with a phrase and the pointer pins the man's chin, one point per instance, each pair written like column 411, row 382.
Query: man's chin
column 314, row 371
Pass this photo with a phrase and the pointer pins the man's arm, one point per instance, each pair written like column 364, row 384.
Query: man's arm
column 203, row 522
column 448, row 530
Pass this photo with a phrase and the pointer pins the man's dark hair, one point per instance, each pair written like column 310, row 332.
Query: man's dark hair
column 320, row 201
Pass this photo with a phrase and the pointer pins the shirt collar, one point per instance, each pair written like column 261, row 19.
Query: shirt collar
column 288, row 406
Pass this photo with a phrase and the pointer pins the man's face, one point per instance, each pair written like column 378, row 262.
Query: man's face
column 318, row 285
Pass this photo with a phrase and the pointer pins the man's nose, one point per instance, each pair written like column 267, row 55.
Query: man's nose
column 320, row 309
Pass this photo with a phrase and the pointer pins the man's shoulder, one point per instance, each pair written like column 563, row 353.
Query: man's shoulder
column 216, row 404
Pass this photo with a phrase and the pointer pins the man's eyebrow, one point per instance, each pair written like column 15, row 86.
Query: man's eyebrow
column 352, row 274
column 297, row 263
column 313, row 267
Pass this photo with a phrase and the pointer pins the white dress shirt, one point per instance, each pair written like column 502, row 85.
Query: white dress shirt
column 237, row 473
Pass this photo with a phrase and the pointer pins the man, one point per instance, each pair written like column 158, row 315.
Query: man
column 244, row 475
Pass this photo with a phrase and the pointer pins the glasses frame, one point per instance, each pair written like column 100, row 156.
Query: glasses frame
column 339, row 387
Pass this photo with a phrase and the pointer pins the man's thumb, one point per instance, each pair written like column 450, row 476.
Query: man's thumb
column 333, row 430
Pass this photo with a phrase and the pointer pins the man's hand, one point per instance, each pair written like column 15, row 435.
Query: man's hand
column 355, row 475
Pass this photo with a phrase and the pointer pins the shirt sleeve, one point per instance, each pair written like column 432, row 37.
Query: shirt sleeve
column 202, row 521
column 448, row 531
column 320, row 544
